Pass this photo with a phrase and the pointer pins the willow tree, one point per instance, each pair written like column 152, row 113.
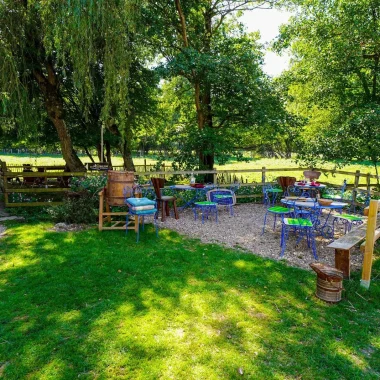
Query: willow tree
column 44, row 42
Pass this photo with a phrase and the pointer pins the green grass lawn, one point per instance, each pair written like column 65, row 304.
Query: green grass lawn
column 97, row 305
column 19, row 159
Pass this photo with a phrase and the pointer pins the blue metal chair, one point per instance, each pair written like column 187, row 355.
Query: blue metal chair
column 206, row 208
column 270, row 192
column 276, row 211
column 293, row 191
column 304, row 227
column 222, row 197
column 347, row 221
column 335, row 194
column 139, row 208
column 359, row 200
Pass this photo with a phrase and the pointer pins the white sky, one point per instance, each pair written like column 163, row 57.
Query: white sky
column 267, row 21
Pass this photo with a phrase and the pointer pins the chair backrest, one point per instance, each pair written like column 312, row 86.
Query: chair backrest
column 212, row 196
column 158, row 184
column 312, row 215
column 285, row 182
column 294, row 191
column 127, row 192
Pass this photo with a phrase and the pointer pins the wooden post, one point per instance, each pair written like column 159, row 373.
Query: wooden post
column 163, row 169
column 369, row 244
column 342, row 261
column 145, row 165
column 356, row 185
column 263, row 176
column 368, row 182
column 101, row 209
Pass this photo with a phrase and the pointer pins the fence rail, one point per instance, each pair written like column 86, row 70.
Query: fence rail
column 54, row 180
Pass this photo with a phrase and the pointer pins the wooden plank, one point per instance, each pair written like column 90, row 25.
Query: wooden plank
column 37, row 190
column 355, row 236
column 370, row 243
column 32, row 204
column 342, row 261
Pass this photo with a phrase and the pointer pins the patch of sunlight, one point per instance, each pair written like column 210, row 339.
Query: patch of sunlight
column 56, row 369
column 17, row 262
column 69, row 238
column 241, row 264
column 352, row 357
column 49, row 246
column 196, row 282
column 68, row 316
column 154, row 301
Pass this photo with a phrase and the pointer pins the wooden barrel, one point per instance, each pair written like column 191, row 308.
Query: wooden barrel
column 329, row 282
column 117, row 183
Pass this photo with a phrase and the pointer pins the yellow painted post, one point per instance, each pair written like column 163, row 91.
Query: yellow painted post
column 369, row 244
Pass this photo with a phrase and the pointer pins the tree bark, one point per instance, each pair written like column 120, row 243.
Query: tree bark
column 89, row 155
column 49, row 87
column 126, row 152
column 108, row 153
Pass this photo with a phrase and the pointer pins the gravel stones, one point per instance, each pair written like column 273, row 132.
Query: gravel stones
column 244, row 231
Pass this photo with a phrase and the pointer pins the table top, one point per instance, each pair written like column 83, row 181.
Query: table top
column 308, row 185
column 188, row 187
column 311, row 204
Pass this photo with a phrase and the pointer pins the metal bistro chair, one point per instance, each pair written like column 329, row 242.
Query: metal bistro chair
column 347, row 221
column 304, row 227
column 335, row 194
column 276, row 211
column 359, row 200
column 268, row 191
column 222, row 197
column 139, row 208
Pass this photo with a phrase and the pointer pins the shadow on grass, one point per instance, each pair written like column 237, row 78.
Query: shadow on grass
column 96, row 304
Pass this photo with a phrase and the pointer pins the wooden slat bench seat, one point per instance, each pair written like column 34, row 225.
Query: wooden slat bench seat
column 344, row 245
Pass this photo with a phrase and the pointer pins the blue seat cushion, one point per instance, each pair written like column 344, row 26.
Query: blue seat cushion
column 143, row 212
column 137, row 202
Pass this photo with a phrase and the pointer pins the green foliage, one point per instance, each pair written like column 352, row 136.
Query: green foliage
column 80, row 206
column 334, row 77
column 80, row 209
column 90, row 184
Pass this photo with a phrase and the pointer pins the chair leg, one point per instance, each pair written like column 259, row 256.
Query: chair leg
column 167, row 208
column 265, row 221
column 175, row 209
column 284, row 237
column 163, row 207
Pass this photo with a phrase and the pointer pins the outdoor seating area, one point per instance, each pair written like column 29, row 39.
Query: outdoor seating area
column 190, row 189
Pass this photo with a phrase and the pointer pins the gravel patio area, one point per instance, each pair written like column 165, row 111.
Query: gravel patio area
column 243, row 230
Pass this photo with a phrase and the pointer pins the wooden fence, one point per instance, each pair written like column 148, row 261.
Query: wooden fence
column 54, row 180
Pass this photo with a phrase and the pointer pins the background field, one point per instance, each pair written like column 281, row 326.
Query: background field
column 269, row 163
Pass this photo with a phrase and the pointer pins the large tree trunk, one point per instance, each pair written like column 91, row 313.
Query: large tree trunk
column 108, row 153
column 126, row 152
column 49, row 87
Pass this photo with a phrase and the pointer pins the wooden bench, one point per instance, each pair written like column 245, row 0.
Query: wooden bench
column 343, row 245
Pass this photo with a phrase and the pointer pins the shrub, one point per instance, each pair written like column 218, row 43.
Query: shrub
column 79, row 209
column 81, row 203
